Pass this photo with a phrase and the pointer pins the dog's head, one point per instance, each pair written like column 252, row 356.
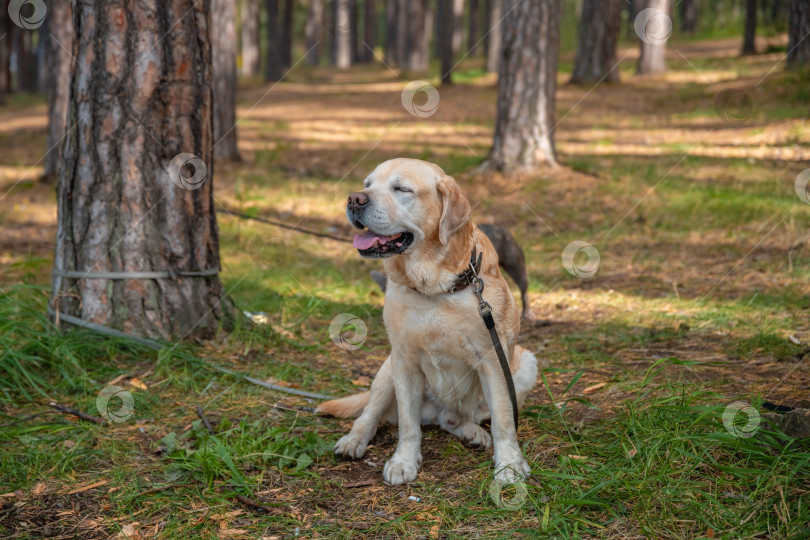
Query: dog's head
column 406, row 205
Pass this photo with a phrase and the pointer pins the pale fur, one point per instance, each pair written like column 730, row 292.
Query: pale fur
column 443, row 368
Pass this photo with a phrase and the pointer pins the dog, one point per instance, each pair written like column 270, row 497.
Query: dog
column 443, row 368
column 510, row 258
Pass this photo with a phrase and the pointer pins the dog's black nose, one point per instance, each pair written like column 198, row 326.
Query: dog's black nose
column 357, row 199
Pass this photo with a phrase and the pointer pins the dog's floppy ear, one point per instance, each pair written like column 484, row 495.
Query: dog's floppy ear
column 455, row 209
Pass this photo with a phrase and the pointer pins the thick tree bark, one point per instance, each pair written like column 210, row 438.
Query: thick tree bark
column 750, row 33
column 140, row 95
column 391, row 31
column 689, row 16
column 369, row 30
column 495, row 39
column 224, row 47
column 314, row 32
column 798, row 30
column 472, row 28
column 444, row 38
column 654, row 31
column 251, row 60
column 274, row 66
column 599, row 29
column 342, row 31
column 286, row 33
column 60, row 63
column 527, row 84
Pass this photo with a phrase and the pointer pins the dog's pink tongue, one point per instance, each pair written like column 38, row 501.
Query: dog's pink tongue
column 368, row 239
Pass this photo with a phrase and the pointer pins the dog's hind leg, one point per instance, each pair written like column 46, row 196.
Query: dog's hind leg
column 380, row 404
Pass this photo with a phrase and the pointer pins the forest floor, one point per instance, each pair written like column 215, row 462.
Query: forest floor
column 685, row 185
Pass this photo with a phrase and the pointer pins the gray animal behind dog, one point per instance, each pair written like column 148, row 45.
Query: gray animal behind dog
column 510, row 258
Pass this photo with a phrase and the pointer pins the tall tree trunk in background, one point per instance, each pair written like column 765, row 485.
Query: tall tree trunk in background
column 495, row 35
column 42, row 53
column 356, row 36
column 286, row 33
column 458, row 25
column 274, row 66
column 391, row 31
column 798, row 30
column 60, row 63
column 141, row 97
column 445, row 29
column 486, row 26
column 417, row 20
column 750, row 34
column 251, row 60
column 599, row 28
column 26, row 55
column 314, row 32
column 654, row 31
column 6, row 29
column 369, row 30
column 689, row 16
column 342, row 30
column 472, row 29
column 527, row 85
column 224, row 45
column 633, row 9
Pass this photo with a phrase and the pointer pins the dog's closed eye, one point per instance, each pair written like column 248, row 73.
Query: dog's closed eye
column 403, row 189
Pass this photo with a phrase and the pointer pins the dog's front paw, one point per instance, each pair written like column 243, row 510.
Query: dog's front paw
column 350, row 446
column 400, row 470
column 511, row 467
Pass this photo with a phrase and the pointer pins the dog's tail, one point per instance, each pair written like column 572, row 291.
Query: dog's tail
column 348, row 407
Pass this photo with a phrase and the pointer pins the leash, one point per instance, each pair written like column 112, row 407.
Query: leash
column 486, row 313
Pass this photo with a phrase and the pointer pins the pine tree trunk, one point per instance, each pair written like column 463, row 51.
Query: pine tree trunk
column 458, row 25
column 356, row 59
column 417, row 18
column 798, row 29
column 6, row 30
column 656, row 30
column 369, row 30
column 472, row 28
column 527, row 84
column 750, row 34
column 444, row 38
column 495, row 39
column 286, row 33
column 140, row 96
column 599, row 28
column 689, row 16
column 251, row 60
column 391, row 31
column 27, row 60
column 60, row 14
column 342, row 30
column 314, row 32
column 274, row 65
column 224, row 47
column 486, row 26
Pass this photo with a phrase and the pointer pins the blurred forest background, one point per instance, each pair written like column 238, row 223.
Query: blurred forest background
column 213, row 143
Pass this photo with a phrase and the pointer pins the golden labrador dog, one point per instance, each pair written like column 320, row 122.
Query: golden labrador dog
column 443, row 368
